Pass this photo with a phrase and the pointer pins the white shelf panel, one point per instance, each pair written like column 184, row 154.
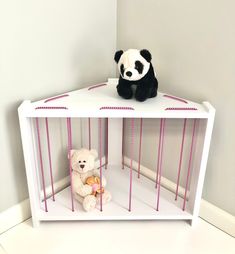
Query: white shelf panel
column 92, row 102
column 143, row 201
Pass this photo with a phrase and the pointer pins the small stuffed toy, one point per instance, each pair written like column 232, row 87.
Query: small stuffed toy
column 136, row 69
column 86, row 179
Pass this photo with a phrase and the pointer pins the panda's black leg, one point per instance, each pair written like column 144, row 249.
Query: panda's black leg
column 153, row 93
column 125, row 91
column 142, row 93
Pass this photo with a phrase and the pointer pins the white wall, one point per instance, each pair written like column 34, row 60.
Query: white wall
column 47, row 47
column 193, row 48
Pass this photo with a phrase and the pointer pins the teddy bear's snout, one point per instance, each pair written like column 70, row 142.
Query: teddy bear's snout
column 82, row 166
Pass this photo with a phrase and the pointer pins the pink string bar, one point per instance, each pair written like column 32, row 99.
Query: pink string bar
column 96, row 86
column 89, row 132
column 123, row 125
column 131, row 164
column 189, row 163
column 70, row 157
column 175, row 98
column 159, row 152
column 160, row 166
column 51, row 107
column 116, row 108
column 107, row 143
column 49, row 156
column 56, row 98
column 140, row 144
column 100, row 148
column 41, row 165
column 180, row 161
column 174, row 108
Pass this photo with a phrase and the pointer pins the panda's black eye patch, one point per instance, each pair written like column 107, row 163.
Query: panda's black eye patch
column 139, row 66
column 122, row 69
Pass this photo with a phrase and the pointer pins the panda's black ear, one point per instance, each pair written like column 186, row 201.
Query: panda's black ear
column 117, row 56
column 146, row 55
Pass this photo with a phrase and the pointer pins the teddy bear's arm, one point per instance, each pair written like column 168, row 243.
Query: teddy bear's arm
column 80, row 188
column 96, row 172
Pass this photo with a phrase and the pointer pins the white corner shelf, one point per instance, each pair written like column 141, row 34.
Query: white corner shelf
column 97, row 100
column 102, row 101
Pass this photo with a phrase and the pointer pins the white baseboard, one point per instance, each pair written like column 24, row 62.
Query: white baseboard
column 14, row 215
column 217, row 217
column 211, row 213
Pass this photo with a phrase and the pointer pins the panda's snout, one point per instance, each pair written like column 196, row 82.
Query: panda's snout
column 128, row 73
column 82, row 166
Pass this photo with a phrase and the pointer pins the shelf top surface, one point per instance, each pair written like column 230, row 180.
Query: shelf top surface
column 102, row 100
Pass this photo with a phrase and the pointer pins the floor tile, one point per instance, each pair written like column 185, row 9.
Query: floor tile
column 117, row 237
column 2, row 251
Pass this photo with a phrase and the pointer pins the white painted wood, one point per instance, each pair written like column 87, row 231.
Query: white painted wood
column 143, row 202
column 29, row 159
column 103, row 101
column 87, row 102
column 14, row 215
column 198, row 175
column 115, row 141
column 217, row 217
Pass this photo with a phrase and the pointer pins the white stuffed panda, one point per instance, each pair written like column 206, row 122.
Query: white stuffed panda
column 135, row 68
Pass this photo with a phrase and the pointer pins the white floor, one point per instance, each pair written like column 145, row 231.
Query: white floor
column 116, row 237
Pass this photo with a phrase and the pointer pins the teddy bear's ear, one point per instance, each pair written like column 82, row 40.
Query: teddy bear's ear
column 118, row 55
column 94, row 153
column 146, row 55
column 72, row 152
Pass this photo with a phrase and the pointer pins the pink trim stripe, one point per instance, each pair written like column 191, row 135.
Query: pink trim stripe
column 49, row 156
column 180, row 162
column 131, row 164
column 56, row 98
column 100, row 152
column 96, row 86
column 52, row 107
column 180, row 108
column 107, row 143
column 41, row 165
column 160, row 167
column 175, row 98
column 70, row 157
column 159, row 152
column 89, row 132
column 123, row 125
column 189, row 163
column 117, row 108
column 140, row 144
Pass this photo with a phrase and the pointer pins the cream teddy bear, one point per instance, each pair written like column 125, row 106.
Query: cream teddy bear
column 86, row 179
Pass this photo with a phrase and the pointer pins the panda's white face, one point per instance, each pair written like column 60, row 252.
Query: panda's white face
column 132, row 66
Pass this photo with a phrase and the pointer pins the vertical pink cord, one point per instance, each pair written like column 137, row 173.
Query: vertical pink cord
column 100, row 148
column 41, row 165
column 107, row 143
column 159, row 151
column 160, row 166
column 49, row 155
column 123, row 123
column 141, row 128
column 189, row 163
column 89, row 132
column 180, row 162
column 131, row 165
column 70, row 157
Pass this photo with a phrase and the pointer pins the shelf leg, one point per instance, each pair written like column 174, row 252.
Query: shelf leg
column 41, row 164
